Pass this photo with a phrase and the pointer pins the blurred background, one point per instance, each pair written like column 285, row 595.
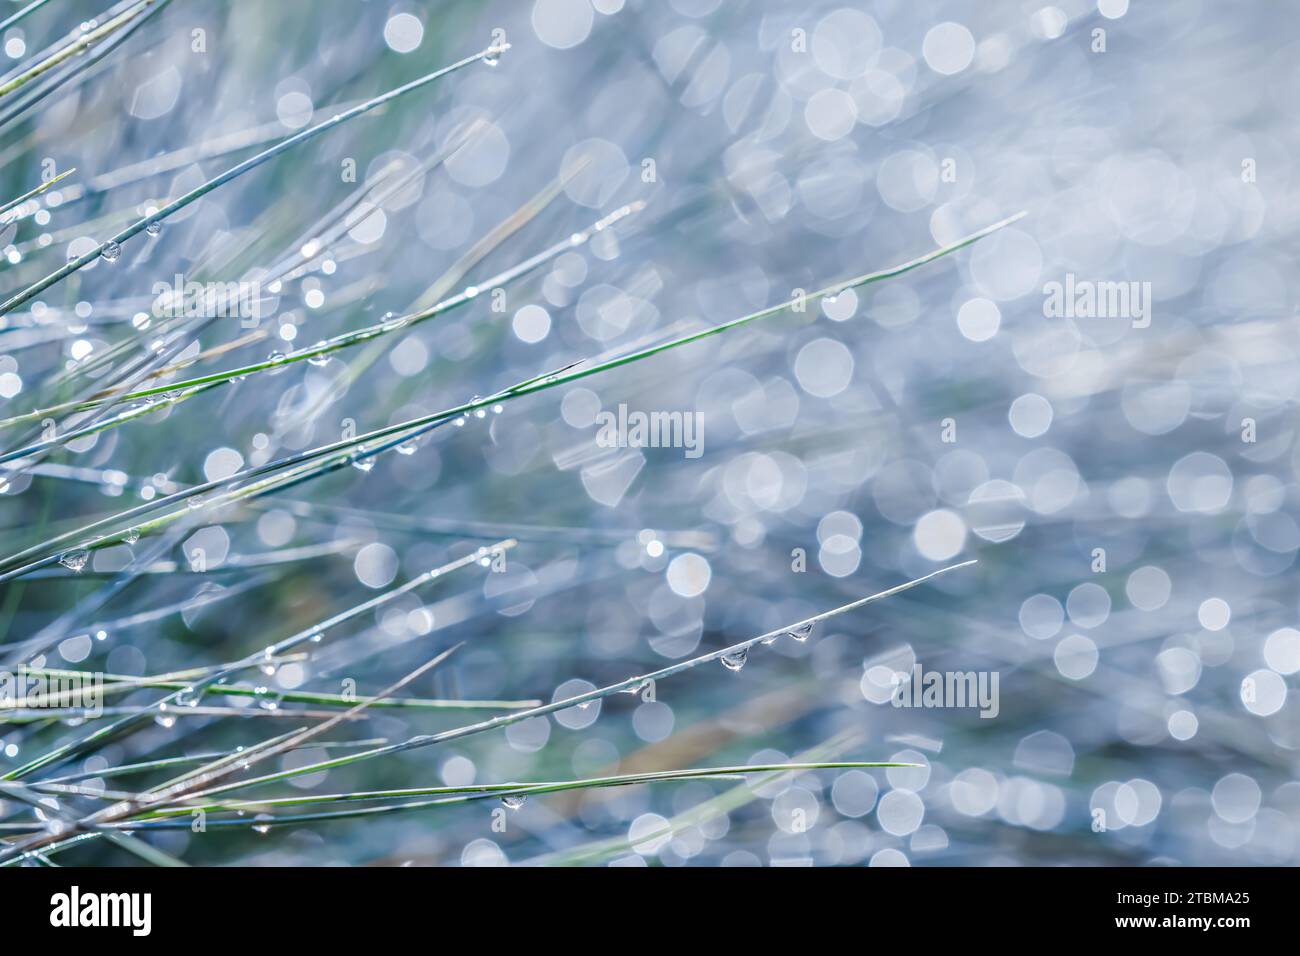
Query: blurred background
column 1127, row 483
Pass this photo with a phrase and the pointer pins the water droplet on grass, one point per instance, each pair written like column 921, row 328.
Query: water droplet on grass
column 801, row 632
column 267, row 699
column 736, row 660
column 74, row 561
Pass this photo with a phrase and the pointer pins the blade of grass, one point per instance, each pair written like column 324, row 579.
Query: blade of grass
column 78, row 44
column 179, row 391
column 53, row 181
column 195, row 691
column 21, row 14
column 238, row 169
column 630, row 685
column 476, row 792
column 12, row 566
column 120, row 684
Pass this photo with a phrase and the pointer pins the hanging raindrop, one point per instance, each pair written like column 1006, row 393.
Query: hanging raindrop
column 801, row 632
column 736, row 660
column 74, row 561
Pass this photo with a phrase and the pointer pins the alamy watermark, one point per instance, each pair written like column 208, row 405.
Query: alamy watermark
column 1085, row 299
column 208, row 300
column 637, row 429
column 75, row 908
column 26, row 689
column 948, row 689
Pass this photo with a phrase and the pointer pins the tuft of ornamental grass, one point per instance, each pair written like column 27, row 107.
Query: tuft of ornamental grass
column 58, row 794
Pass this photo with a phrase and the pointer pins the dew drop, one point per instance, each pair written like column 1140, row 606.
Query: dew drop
column 131, row 536
column 801, row 632
column 514, row 801
column 735, row 661
column 320, row 359
column 262, row 823
column 266, row 698
column 111, row 251
column 362, row 464
column 74, row 561
column 154, row 228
